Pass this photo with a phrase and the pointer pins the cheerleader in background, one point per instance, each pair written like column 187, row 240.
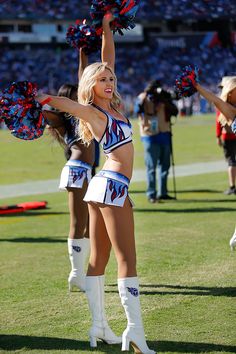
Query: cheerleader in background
column 187, row 83
column 75, row 177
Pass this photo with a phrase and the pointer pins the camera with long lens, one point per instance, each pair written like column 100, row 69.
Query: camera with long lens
column 159, row 95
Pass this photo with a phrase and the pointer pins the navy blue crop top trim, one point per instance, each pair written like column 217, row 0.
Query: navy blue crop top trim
column 117, row 146
column 109, row 115
column 101, row 110
column 71, row 125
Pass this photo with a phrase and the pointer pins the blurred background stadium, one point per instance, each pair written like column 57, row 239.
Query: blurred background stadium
column 169, row 34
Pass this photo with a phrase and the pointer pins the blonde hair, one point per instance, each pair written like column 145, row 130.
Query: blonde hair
column 86, row 94
column 228, row 84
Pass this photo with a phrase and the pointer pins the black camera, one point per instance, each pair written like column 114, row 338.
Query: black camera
column 157, row 94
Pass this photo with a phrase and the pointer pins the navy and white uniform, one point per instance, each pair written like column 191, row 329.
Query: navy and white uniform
column 109, row 187
column 75, row 172
column 71, row 126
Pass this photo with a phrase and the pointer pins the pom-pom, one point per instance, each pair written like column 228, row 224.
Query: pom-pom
column 123, row 11
column 186, row 81
column 83, row 36
column 22, row 114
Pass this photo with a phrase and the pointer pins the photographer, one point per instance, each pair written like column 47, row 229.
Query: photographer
column 155, row 108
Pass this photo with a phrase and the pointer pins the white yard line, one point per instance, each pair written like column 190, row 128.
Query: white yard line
column 51, row 185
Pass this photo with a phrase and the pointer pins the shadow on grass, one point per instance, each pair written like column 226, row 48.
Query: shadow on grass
column 184, row 290
column 131, row 191
column 229, row 199
column 35, row 240
column 190, row 290
column 17, row 342
column 181, row 211
column 179, row 191
column 34, row 213
column 197, row 191
column 192, row 347
column 205, row 200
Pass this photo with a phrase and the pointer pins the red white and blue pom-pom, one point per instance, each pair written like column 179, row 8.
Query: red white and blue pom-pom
column 185, row 82
column 22, row 114
column 83, row 36
column 124, row 12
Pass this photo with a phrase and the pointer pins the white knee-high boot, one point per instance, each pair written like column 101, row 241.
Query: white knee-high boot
column 134, row 333
column 100, row 328
column 232, row 241
column 78, row 250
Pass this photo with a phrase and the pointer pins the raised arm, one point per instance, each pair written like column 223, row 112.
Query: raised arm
column 108, row 45
column 83, row 62
column 225, row 108
column 67, row 105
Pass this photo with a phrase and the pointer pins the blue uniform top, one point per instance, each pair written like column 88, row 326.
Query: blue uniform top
column 71, row 125
column 116, row 134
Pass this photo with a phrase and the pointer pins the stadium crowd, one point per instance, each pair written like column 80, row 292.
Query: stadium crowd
column 152, row 9
column 50, row 67
column 181, row 9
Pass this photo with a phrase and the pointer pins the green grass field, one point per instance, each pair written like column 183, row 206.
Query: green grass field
column 186, row 269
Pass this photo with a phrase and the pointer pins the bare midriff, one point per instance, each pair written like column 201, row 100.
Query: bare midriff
column 121, row 160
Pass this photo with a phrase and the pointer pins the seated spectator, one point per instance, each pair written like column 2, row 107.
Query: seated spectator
column 149, row 10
